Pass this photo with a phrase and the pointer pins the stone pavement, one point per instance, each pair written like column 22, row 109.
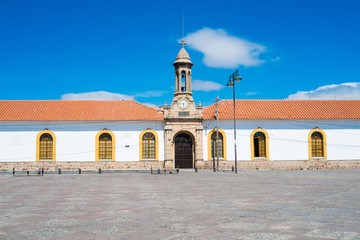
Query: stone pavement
column 323, row 204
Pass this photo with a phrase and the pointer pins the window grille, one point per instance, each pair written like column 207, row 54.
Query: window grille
column 105, row 146
column 317, row 145
column 46, row 146
column 148, row 148
column 259, row 145
column 214, row 147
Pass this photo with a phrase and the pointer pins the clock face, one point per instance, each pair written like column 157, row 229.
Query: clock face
column 183, row 104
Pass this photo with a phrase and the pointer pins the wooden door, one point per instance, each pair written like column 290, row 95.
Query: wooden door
column 183, row 151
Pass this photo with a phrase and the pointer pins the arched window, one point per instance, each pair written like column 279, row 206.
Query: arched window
column 148, row 150
column 148, row 145
column 105, row 146
column 46, row 146
column 259, row 144
column 317, row 144
column 213, row 147
column 183, row 82
column 317, row 148
column 217, row 146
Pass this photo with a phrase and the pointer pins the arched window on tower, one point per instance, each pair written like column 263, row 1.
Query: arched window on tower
column 183, row 82
column 105, row 146
column 317, row 145
column 46, row 147
column 259, row 145
column 217, row 145
column 148, row 148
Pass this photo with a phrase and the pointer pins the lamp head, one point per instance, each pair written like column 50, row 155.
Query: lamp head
column 230, row 83
column 237, row 77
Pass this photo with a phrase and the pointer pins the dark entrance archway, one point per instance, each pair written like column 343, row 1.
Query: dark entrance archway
column 183, row 151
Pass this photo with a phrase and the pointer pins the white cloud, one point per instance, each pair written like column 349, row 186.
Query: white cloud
column 150, row 104
column 224, row 51
column 276, row 59
column 335, row 91
column 103, row 95
column 151, row 94
column 206, row 86
column 250, row 93
column 100, row 95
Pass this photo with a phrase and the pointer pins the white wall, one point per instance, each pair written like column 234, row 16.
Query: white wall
column 75, row 141
column 288, row 140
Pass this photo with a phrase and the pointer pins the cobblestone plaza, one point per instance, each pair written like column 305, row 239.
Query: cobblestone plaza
column 318, row 204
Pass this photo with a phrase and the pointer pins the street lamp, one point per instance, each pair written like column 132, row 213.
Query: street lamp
column 234, row 77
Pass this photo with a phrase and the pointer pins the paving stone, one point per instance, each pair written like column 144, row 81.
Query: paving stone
column 266, row 236
column 324, row 234
column 305, row 205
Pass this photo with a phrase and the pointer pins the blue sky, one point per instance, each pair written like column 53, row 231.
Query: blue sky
column 125, row 50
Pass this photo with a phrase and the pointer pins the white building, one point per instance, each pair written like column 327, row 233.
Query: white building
column 127, row 134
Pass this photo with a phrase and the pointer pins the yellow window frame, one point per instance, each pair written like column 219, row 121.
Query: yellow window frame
column 141, row 158
column 324, row 143
column 252, row 147
column 209, row 143
column 97, row 144
column 38, row 145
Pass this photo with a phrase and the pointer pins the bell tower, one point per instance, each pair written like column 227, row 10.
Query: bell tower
column 183, row 72
column 183, row 119
column 183, row 106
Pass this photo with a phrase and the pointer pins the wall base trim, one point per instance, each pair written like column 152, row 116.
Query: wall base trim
column 223, row 165
column 288, row 164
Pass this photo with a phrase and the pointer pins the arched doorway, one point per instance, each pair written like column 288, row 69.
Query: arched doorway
column 183, row 151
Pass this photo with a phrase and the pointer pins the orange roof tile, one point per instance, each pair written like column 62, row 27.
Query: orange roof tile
column 70, row 110
column 285, row 109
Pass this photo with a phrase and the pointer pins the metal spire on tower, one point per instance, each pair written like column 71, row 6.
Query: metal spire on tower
column 183, row 43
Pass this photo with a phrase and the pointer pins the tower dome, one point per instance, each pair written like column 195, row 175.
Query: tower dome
column 183, row 56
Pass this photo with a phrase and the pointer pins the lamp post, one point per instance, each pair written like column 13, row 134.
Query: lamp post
column 234, row 77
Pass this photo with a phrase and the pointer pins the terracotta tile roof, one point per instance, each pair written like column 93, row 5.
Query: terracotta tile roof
column 59, row 110
column 70, row 110
column 285, row 109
